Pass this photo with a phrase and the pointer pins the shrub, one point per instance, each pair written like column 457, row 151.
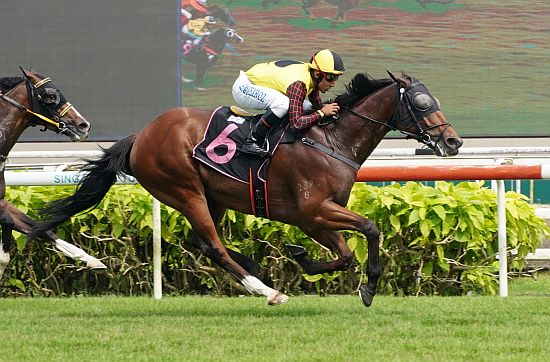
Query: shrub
column 435, row 240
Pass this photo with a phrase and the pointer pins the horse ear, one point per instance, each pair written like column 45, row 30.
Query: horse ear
column 26, row 73
column 391, row 75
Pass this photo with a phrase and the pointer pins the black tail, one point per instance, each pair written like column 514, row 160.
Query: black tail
column 92, row 188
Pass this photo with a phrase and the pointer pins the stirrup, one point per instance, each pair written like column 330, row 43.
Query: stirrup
column 251, row 148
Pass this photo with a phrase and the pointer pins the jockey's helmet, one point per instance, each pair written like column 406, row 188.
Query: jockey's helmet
column 327, row 61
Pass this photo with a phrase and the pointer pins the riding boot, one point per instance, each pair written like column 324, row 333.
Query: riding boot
column 257, row 135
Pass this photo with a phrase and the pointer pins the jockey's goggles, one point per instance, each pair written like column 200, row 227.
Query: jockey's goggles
column 331, row 77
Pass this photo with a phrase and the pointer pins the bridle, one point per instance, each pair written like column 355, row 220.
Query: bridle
column 414, row 113
column 36, row 94
column 415, row 110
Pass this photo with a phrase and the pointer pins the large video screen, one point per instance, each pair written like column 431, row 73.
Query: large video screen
column 123, row 62
column 115, row 61
column 486, row 61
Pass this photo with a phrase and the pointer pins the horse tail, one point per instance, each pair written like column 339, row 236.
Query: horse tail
column 100, row 175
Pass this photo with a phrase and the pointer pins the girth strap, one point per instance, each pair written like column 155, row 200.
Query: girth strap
column 331, row 152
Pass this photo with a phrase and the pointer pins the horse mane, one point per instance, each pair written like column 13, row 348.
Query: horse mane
column 8, row 83
column 359, row 87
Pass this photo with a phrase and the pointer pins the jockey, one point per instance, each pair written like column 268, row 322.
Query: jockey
column 281, row 87
column 197, row 28
column 193, row 9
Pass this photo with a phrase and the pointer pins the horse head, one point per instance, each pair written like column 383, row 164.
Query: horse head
column 232, row 36
column 52, row 110
column 222, row 13
column 418, row 115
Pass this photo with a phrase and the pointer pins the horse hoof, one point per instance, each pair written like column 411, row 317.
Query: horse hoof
column 366, row 295
column 296, row 250
column 186, row 80
column 277, row 298
column 95, row 264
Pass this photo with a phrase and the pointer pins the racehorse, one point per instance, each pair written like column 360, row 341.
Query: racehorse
column 29, row 101
column 206, row 54
column 309, row 183
column 342, row 7
column 222, row 13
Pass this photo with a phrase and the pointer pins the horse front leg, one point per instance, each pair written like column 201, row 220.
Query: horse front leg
column 201, row 71
column 23, row 224
column 332, row 216
column 7, row 224
column 367, row 291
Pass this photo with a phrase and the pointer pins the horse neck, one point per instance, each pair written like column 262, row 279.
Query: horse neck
column 13, row 120
column 355, row 137
column 217, row 41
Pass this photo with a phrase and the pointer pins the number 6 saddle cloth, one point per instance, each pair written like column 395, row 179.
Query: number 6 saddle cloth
column 227, row 130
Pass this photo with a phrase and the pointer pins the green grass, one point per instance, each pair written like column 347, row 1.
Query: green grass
column 304, row 329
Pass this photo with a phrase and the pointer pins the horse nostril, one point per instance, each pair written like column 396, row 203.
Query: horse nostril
column 454, row 142
column 84, row 126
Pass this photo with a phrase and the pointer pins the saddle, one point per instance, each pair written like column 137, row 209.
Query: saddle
column 219, row 149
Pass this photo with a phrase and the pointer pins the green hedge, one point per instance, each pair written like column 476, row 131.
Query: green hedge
column 435, row 240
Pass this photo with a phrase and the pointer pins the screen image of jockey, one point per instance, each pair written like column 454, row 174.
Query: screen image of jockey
column 194, row 32
column 193, row 9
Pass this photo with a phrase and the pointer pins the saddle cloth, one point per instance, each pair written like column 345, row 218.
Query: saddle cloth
column 219, row 150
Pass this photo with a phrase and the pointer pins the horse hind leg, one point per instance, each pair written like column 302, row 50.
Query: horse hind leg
column 195, row 209
column 244, row 261
column 216, row 213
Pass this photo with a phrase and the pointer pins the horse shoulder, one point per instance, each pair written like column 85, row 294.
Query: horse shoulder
column 305, row 173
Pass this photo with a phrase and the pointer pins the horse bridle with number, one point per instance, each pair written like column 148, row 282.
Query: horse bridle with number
column 38, row 100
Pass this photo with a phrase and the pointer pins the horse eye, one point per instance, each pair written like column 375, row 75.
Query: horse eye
column 51, row 96
column 230, row 33
column 422, row 101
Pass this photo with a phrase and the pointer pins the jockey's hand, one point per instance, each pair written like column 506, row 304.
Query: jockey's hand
column 330, row 109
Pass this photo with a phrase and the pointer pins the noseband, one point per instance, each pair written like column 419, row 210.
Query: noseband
column 406, row 104
column 35, row 93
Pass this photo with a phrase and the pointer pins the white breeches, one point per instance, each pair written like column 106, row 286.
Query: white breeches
column 250, row 95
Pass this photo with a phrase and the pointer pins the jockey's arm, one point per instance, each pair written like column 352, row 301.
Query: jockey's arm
column 315, row 99
column 197, row 26
column 296, row 93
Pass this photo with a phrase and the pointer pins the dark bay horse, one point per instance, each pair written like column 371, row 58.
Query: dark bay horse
column 29, row 101
column 206, row 54
column 308, row 186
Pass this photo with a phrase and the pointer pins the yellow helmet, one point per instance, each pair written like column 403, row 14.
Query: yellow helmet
column 327, row 61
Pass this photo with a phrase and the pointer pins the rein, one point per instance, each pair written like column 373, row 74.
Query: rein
column 59, row 125
column 422, row 136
